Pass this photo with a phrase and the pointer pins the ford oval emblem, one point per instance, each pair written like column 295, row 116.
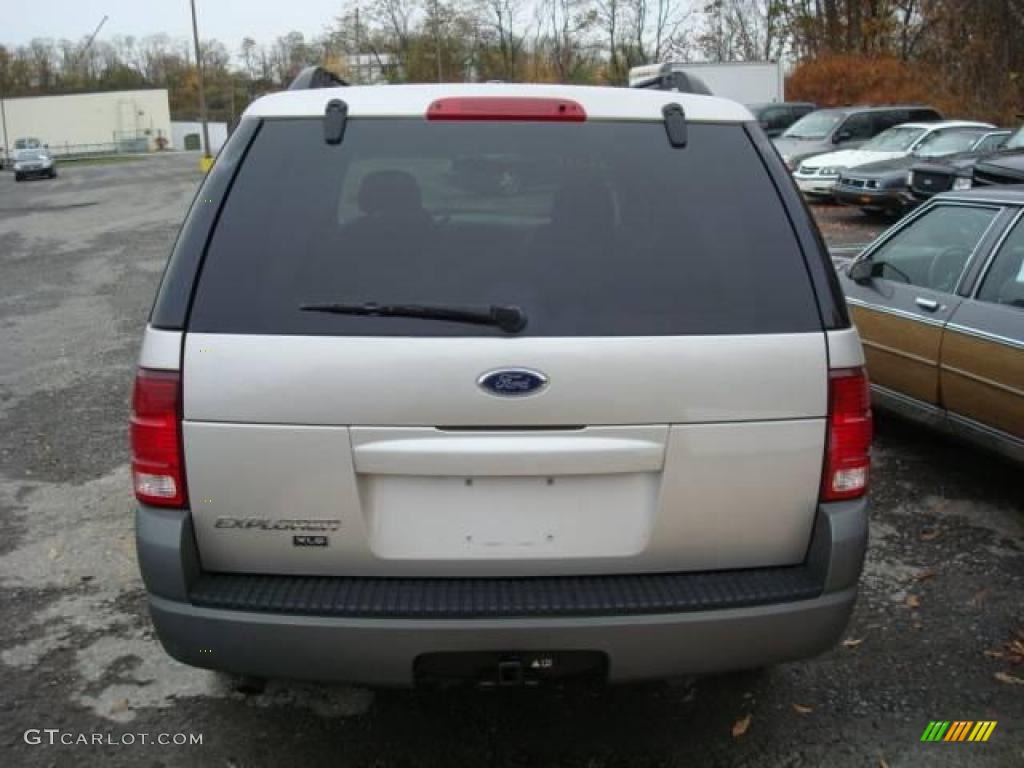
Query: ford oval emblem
column 513, row 382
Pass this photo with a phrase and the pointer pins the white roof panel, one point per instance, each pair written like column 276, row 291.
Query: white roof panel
column 600, row 103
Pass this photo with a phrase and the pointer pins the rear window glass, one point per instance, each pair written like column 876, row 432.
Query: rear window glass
column 592, row 229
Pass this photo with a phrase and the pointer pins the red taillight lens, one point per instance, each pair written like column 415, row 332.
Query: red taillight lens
column 507, row 108
column 158, row 471
column 847, row 458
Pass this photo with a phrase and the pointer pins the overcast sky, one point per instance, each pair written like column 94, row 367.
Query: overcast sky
column 226, row 20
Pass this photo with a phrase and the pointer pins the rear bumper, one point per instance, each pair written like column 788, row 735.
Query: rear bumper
column 36, row 173
column 382, row 651
column 874, row 199
column 821, row 187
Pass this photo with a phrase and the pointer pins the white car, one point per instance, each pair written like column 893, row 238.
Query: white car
column 817, row 176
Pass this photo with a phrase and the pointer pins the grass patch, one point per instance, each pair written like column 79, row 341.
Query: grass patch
column 102, row 160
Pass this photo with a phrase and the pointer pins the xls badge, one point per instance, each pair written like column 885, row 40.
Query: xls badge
column 309, row 541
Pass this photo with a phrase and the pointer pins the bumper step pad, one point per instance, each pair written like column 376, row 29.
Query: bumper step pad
column 485, row 598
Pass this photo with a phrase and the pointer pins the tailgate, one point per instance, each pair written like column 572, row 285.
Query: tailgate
column 383, row 456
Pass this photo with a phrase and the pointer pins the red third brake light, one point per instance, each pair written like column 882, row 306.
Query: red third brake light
column 847, row 456
column 158, row 471
column 506, row 108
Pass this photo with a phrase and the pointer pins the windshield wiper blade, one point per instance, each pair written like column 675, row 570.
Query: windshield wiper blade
column 510, row 319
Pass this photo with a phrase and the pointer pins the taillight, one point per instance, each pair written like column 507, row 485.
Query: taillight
column 507, row 108
column 158, row 471
column 847, row 457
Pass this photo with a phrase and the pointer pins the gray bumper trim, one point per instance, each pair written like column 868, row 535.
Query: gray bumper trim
column 838, row 543
column 166, row 548
column 382, row 651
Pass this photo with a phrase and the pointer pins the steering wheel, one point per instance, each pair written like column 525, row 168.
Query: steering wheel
column 945, row 268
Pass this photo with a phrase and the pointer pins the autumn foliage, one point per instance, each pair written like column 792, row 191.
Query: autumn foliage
column 837, row 79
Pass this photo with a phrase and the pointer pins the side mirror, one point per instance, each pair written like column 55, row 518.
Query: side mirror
column 862, row 271
column 841, row 137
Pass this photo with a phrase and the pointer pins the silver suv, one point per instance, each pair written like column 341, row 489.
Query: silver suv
column 500, row 383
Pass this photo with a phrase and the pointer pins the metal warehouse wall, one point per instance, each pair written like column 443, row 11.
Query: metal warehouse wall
column 218, row 134
column 83, row 119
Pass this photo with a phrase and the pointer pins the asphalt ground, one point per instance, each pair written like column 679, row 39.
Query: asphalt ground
column 80, row 257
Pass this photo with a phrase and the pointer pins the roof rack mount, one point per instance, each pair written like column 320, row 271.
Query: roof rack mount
column 316, row 77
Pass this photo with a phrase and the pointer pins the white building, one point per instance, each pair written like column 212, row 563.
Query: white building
column 189, row 135
column 367, row 68
column 89, row 122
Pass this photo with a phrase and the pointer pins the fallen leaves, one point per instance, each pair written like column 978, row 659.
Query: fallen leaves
column 913, row 601
column 929, row 535
column 1015, row 648
column 741, row 726
column 852, row 643
column 926, row 575
column 800, row 709
column 1006, row 677
column 882, row 763
column 979, row 598
column 1012, row 651
column 121, row 705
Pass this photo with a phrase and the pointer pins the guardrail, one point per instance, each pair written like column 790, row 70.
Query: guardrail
column 73, row 151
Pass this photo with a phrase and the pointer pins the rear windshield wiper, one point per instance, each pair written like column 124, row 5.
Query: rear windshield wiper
column 510, row 319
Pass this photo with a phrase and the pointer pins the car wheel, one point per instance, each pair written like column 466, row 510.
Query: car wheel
column 53, row 174
column 17, row 177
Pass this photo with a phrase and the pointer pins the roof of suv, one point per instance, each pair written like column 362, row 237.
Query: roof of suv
column 600, row 103
column 874, row 108
column 1009, row 194
column 936, row 124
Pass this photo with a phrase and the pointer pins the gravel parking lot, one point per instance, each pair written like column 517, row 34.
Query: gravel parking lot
column 932, row 637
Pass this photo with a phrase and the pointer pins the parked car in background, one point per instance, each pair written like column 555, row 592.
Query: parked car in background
column 883, row 186
column 955, row 172
column 844, row 128
column 473, row 395
column 777, row 117
column 1006, row 167
column 817, row 176
column 28, row 142
column 939, row 302
column 34, row 163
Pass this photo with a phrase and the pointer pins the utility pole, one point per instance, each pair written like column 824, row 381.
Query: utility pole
column 359, row 58
column 437, row 40
column 3, row 121
column 202, row 94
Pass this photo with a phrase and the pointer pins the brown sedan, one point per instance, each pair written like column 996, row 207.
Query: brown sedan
column 939, row 302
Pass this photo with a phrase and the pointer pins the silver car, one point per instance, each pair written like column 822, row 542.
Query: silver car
column 840, row 128
column 35, row 162
column 498, row 383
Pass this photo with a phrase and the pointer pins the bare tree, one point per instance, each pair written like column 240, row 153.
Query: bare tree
column 609, row 17
column 504, row 18
column 561, row 29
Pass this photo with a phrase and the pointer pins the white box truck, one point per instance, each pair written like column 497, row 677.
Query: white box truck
column 748, row 82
